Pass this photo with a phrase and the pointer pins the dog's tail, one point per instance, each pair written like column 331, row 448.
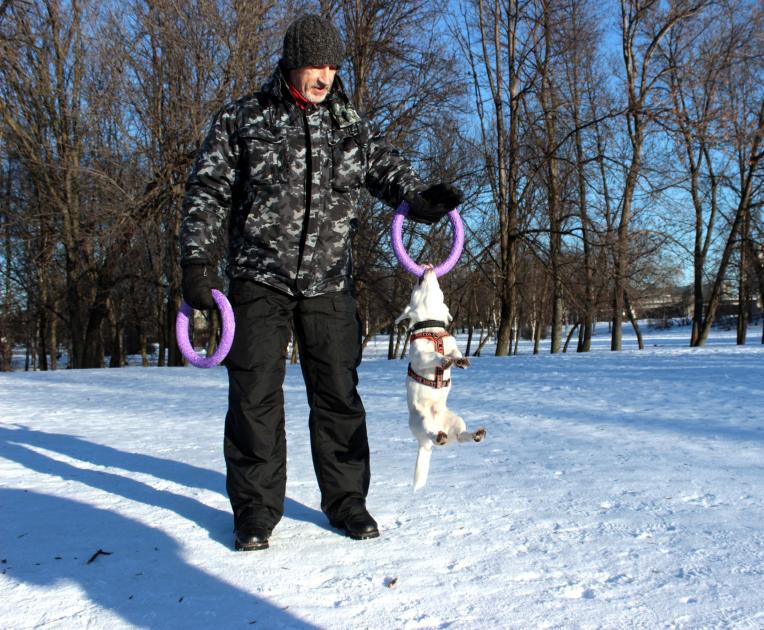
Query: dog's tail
column 422, row 467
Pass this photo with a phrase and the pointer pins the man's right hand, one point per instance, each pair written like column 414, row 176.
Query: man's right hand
column 198, row 282
column 432, row 204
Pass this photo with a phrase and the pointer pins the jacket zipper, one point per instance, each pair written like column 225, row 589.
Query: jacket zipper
column 308, row 194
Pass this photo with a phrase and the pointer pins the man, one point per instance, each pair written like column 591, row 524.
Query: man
column 283, row 169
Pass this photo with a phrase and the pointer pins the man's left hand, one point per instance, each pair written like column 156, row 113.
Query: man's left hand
column 432, row 204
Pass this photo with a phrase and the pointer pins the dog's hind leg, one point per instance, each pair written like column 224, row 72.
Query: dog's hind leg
column 479, row 435
column 460, row 428
column 430, row 424
column 424, row 426
column 472, row 436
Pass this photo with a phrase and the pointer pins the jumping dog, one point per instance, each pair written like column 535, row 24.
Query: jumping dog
column 433, row 353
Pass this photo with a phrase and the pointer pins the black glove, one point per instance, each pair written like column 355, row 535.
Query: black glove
column 432, row 204
column 198, row 281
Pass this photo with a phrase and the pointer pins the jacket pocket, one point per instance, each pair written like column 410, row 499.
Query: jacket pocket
column 348, row 162
column 266, row 155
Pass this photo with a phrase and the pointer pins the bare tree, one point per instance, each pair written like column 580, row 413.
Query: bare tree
column 580, row 70
column 549, row 100
column 747, row 108
column 7, row 262
column 698, row 56
column 505, row 38
column 644, row 24
column 42, row 108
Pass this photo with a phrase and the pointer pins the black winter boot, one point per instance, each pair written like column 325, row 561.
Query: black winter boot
column 357, row 523
column 250, row 537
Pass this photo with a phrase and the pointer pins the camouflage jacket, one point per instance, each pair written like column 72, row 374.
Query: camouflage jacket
column 286, row 182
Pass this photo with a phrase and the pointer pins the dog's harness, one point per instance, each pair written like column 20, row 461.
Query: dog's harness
column 437, row 338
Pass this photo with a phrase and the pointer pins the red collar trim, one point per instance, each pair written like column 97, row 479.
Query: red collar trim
column 299, row 99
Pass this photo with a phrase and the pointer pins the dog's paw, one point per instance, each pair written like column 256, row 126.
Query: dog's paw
column 446, row 363
column 464, row 362
column 479, row 435
column 441, row 438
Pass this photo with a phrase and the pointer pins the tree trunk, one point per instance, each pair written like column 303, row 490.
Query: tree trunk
column 92, row 350
column 697, row 301
column 470, row 322
column 142, row 343
column 174, row 357
column 6, row 333
column 550, row 106
column 571, row 332
column 42, row 339
column 516, row 327
column 581, row 332
column 483, row 340
column 537, row 323
column 392, row 349
column 757, row 260
column 633, row 319
column 585, row 335
column 42, row 320
column 117, row 358
column 504, row 334
column 398, row 336
column 162, row 328
column 74, row 302
column 53, row 339
column 31, row 356
column 622, row 247
column 742, row 299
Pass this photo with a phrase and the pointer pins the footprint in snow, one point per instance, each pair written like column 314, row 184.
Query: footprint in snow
column 578, row 592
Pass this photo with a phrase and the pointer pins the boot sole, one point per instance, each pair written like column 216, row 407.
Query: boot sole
column 355, row 535
column 362, row 536
column 251, row 547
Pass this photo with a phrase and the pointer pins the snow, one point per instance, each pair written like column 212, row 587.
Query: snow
column 614, row 490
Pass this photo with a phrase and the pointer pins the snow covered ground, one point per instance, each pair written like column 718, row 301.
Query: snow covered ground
column 614, row 490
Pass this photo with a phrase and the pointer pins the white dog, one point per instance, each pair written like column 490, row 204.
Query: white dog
column 433, row 352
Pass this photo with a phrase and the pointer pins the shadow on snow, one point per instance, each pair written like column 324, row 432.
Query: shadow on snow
column 18, row 445
column 145, row 580
column 142, row 576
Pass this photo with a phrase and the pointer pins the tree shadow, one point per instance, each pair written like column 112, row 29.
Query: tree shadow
column 19, row 444
column 139, row 575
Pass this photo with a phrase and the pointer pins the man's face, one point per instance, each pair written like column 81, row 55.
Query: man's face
column 313, row 82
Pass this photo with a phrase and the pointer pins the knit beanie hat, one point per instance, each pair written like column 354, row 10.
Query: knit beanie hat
column 312, row 41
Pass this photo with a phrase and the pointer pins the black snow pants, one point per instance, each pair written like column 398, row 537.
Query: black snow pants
column 329, row 342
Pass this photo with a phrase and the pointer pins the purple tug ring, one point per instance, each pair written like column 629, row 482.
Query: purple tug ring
column 226, row 337
column 400, row 251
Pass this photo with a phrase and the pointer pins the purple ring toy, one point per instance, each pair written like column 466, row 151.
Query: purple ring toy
column 400, row 251
column 226, row 337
